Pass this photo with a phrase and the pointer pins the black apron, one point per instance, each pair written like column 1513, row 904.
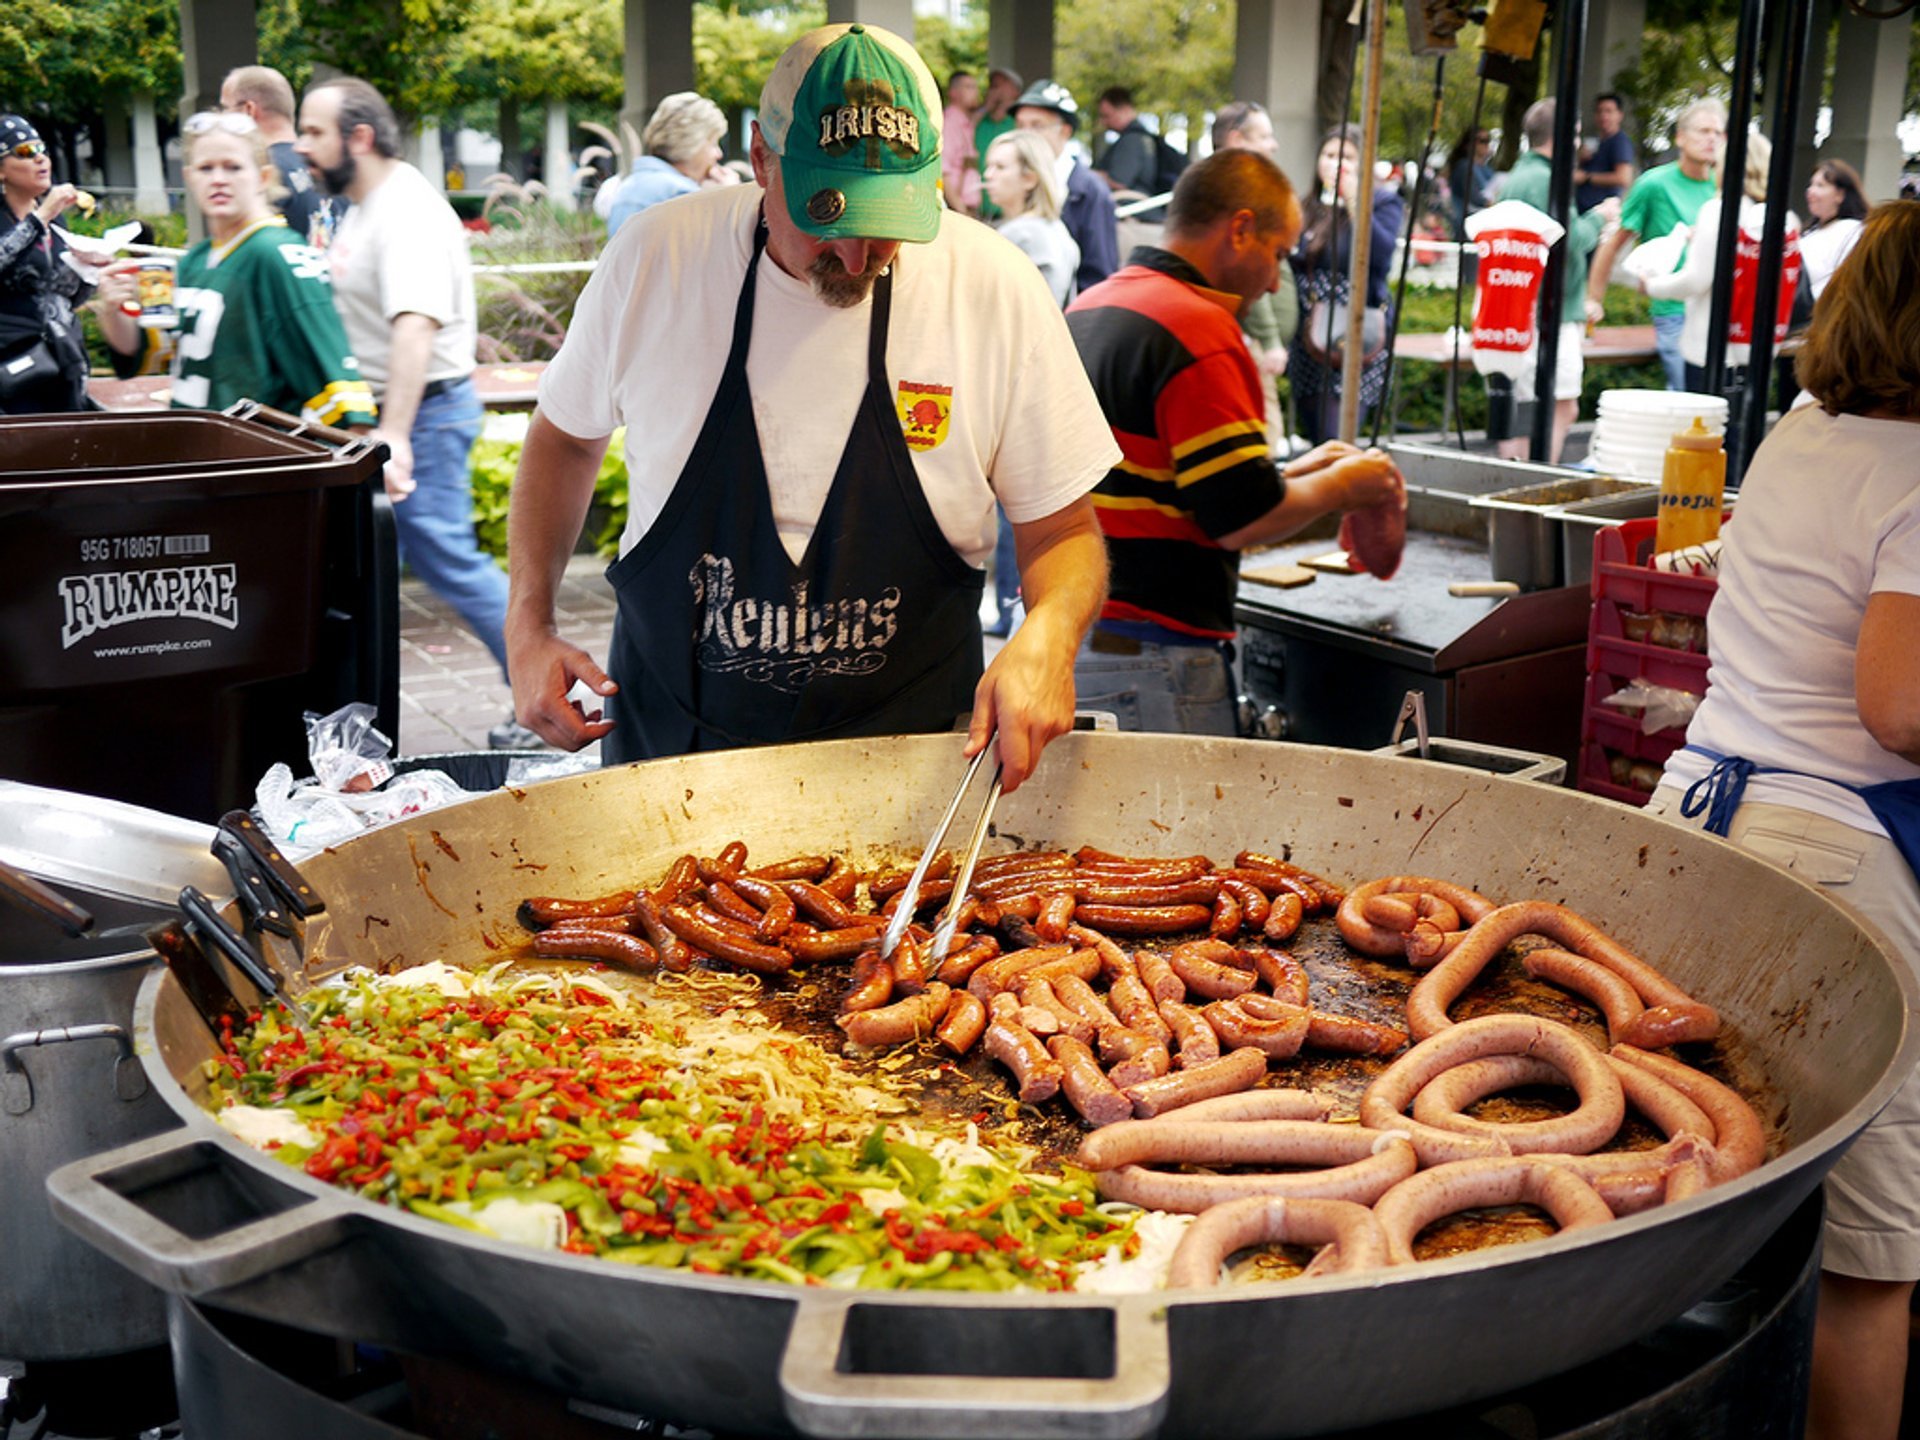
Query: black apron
column 722, row 640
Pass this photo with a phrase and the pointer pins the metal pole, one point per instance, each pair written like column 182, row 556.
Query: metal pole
column 1797, row 38
column 1746, row 59
column 1569, row 46
column 1352, row 362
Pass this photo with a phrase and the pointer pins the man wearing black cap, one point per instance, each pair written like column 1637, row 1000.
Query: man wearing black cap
column 1048, row 109
column 826, row 384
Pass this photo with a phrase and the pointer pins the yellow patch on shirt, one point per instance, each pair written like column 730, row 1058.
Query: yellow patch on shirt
column 924, row 413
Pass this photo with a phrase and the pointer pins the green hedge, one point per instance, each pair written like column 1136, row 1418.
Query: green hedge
column 494, row 464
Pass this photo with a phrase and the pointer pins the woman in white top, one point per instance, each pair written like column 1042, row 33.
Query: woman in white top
column 1807, row 743
column 1019, row 178
column 1835, row 207
column 1693, row 281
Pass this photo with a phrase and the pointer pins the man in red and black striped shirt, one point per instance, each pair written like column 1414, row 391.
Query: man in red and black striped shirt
column 1196, row 482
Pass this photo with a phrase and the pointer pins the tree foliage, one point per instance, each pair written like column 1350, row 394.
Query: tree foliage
column 533, row 50
column 405, row 49
column 64, row 59
column 1176, row 56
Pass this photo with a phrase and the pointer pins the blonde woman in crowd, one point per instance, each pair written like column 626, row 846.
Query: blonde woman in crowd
column 1021, row 181
column 682, row 145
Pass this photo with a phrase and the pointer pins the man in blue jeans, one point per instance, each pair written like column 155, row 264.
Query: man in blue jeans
column 403, row 282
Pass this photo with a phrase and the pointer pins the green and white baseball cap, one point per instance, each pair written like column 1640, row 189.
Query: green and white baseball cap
column 854, row 115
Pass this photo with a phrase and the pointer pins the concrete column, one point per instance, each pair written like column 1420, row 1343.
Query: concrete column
column 1869, row 85
column 1020, row 37
column 894, row 15
column 1614, row 28
column 659, row 57
column 428, row 156
column 149, row 167
column 510, row 143
column 557, row 158
column 1278, row 62
column 1812, row 97
column 215, row 36
column 117, row 164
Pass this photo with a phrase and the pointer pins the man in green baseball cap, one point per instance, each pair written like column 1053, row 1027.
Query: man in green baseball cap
column 828, row 383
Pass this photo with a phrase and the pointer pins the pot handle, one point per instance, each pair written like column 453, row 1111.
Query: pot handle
column 16, row 1085
column 854, row 1369
column 183, row 1215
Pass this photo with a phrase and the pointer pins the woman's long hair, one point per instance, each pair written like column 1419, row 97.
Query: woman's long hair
column 1325, row 227
column 1862, row 353
column 1844, row 178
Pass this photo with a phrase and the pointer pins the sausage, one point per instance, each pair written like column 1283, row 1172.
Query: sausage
column 1325, row 891
column 1037, row 1074
column 1254, row 904
column 1370, row 938
column 580, row 942
column 1279, row 1037
column 1265, row 1103
column 965, row 1019
column 1416, row 1202
column 1084, row 1001
column 627, row 924
column 1001, row 974
column 819, row 905
column 1118, row 1043
column 1281, row 973
column 1038, row 994
column 1427, row 944
column 1400, row 913
column 699, row 931
column 539, row 911
column 1040, row 1020
column 1177, row 1140
column 1089, row 857
column 1148, row 1063
column 840, row 881
column 1015, row 861
column 1023, row 907
column 909, row 1019
column 813, row 947
column 799, row 867
column 1114, row 962
column 1659, row 1026
column 739, row 929
column 1204, row 976
column 959, row 965
column 1602, row 1102
column 1056, row 914
column 871, row 984
column 1125, row 890
column 1088, row 1089
column 1134, row 1005
column 1657, row 1099
column 1633, row 1191
column 1144, row 919
column 1284, row 918
column 885, row 887
column 681, row 878
column 1159, row 977
column 909, row 961
column 1452, row 1091
column 725, row 901
column 672, row 951
column 776, row 906
column 1360, row 1181
column 1348, row 1232
column 1739, row 1140
column 1014, row 930
column 1084, row 964
column 1350, row 1035
column 1592, row 981
column 930, row 893
column 1241, row 1070
column 1198, row 1043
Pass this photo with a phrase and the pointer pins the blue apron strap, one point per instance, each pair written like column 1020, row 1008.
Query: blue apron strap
column 1896, row 805
column 1718, row 792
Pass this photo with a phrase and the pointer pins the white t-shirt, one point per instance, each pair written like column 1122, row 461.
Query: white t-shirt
column 401, row 250
column 973, row 330
column 1829, row 514
column 1823, row 248
column 1693, row 281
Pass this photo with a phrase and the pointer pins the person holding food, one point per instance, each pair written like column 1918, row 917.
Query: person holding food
column 1196, row 483
column 254, row 298
column 43, row 359
column 1806, row 748
column 868, row 374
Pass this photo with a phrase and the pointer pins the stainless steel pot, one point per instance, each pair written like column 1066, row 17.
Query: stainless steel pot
column 1820, row 1005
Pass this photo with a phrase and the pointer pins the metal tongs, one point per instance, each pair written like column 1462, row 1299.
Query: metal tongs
column 1414, row 708
column 949, row 918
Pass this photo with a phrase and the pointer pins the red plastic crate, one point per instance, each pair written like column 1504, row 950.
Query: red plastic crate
column 1623, row 573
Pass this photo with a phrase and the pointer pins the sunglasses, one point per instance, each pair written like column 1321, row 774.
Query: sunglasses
column 28, row 150
column 233, row 122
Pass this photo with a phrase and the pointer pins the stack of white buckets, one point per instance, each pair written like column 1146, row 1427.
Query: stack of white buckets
column 1634, row 428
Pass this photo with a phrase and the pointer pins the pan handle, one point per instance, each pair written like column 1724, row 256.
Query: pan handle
column 183, row 1215
column 854, row 1369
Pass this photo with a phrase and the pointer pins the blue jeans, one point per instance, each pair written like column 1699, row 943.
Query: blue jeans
column 1666, row 341
column 436, row 521
column 1006, row 570
column 1174, row 689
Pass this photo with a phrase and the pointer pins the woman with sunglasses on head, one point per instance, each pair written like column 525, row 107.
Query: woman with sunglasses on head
column 43, row 360
column 255, row 300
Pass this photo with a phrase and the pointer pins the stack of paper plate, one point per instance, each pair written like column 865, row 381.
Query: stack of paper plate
column 1636, row 426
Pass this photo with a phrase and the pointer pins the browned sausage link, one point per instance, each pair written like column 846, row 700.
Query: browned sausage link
column 1036, row 1073
column 733, row 858
column 1016, row 861
column 1087, row 855
column 800, row 867
column 1277, row 1036
column 1198, row 1043
column 986, row 912
column 727, row 923
column 627, row 924
column 930, row 894
column 1202, row 890
column 1330, row 894
column 840, row 881
column 1220, row 952
column 1135, row 1006
column 909, row 962
column 871, row 985
column 1254, row 904
column 1119, row 1043
column 1157, row 975
column 896, row 1024
column 680, row 879
column 1428, row 945
column 1227, row 917
column 1208, row 977
column 1280, row 972
column 1089, row 1091
column 1284, row 918
column 998, row 975
column 710, row 870
column 1056, row 914
column 698, row 930
column 1149, row 1064
column 1114, row 962
column 1082, row 963
column 1143, row 919
column 1241, row 1070
column 1025, row 906
column 1040, row 995
column 723, row 899
column 814, row 947
column 1080, row 997
column 1349, row 1035
column 959, row 965
column 539, row 911
column 776, row 906
column 966, row 1017
column 1020, row 882
column 885, row 887
column 673, row 951
column 1040, row 1021
column 582, row 943
column 819, row 906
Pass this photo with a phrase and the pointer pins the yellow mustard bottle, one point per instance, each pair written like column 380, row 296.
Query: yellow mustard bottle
column 1692, row 488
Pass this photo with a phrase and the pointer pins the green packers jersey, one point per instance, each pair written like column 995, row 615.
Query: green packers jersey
column 257, row 323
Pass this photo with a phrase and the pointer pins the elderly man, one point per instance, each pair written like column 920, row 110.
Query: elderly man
column 1049, row 111
column 826, row 384
column 1660, row 201
column 1197, row 482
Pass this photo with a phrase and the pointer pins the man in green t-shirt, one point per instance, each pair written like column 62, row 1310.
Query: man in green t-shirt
column 1659, row 201
column 996, row 119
